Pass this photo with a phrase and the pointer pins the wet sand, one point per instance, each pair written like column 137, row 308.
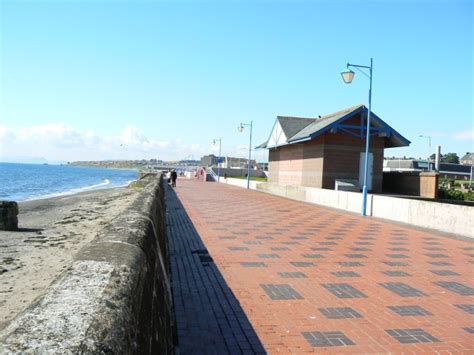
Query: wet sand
column 51, row 233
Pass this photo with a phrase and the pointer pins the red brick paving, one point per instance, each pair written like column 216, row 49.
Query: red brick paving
column 227, row 217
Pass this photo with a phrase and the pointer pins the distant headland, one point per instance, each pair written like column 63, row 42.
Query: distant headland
column 134, row 164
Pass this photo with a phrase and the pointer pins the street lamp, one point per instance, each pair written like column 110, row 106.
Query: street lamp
column 219, row 158
column 429, row 149
column 241, row 129
column 348, row 76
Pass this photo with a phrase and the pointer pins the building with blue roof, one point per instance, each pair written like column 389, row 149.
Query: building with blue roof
column 316, row 152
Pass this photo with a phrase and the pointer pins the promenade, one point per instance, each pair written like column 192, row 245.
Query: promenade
column 255, row 273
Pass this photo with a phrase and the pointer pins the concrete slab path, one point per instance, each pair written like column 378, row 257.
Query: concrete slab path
column 255, row 273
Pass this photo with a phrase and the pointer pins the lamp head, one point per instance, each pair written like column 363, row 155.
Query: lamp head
column 347, row 76
column 241, row 128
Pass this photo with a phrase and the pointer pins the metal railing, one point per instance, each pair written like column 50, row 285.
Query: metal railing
column 212, row 173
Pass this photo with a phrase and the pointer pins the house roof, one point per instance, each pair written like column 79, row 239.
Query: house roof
column 299, row 129
column 468, row 156
column 293, row 125
column 400, row 164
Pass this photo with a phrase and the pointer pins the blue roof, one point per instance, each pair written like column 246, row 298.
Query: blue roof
column 313, row 127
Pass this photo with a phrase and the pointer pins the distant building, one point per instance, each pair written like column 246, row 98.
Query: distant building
column 316, row 152
column 238, row 163
column 228, row 162
column 405, row 165
column 209, row 160
column 468, row 159
column 188, row 162
column 262, row 166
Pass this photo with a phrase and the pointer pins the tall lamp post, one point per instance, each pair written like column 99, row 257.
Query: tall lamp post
column 241, row 129
column 429, row 149
column 348, row 76
column 219, row 158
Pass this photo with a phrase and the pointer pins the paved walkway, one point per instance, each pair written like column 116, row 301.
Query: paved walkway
column 258, row 273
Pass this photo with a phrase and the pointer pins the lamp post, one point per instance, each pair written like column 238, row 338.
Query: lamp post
column 241, row 129
column 219, row 158
column 429, row 149
column 348, row 76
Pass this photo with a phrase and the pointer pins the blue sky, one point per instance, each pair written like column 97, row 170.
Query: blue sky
column 132, row 79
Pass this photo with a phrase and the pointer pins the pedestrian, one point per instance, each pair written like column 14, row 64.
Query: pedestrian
column 174, row 176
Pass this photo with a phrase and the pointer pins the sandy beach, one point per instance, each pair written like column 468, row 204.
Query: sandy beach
column 51, row 233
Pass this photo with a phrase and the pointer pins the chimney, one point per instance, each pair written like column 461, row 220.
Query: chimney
column 438, row 157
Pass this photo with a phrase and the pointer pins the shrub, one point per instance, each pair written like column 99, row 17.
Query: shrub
column 450, row 194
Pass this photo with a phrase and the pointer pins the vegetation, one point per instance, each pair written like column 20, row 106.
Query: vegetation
column 450, row 194
column 447, row 158
column 455, row 194
column 449, row 189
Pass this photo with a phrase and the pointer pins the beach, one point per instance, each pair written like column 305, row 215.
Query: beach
column 51, row 232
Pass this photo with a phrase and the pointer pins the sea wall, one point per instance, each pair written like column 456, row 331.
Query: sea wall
column 443, row 217
column 115, row 297
column 240, row 182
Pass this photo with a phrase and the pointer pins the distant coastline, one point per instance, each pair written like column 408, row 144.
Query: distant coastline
column 112, row 164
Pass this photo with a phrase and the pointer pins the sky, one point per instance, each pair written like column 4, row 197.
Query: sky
column 116, row 79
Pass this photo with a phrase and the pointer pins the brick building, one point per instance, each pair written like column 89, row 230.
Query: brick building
column 318, row 151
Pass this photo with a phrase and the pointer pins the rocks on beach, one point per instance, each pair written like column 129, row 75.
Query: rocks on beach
column 8, row 215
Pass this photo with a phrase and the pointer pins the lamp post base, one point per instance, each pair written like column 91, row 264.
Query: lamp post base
column 364, row 200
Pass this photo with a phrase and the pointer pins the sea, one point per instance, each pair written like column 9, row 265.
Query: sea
column 24, row 182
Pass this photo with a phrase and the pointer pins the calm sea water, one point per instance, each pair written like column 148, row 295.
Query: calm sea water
column 20, row 182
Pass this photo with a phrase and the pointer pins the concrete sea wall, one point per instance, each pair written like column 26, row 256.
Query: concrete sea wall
column 442, row 217
column 114, row 299
column 240, row 182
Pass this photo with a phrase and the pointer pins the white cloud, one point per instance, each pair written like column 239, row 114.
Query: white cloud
column 466, row 135
column 58, row 141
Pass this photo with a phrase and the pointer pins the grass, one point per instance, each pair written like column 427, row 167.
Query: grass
column 459, row 182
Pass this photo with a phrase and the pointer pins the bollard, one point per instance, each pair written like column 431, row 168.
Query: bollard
column 8, row 215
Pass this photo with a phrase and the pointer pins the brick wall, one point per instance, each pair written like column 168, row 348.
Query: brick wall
column 313, row 163
column 342, row 158
column 429, row 184
column 288, row 169
column 402, row 183
column 423, row 184
column 319, row 162
column 273, row 165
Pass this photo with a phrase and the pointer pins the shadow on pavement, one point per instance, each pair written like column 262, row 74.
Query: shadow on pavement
column 209, row 318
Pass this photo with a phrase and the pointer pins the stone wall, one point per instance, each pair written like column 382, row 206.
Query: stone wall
column 114, row 299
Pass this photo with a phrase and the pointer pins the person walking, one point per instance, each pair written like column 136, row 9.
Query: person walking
column 173, row 178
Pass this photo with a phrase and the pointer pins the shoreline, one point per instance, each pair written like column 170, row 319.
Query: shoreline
column 21, row 184
column 51, row 233
column 73, row 192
